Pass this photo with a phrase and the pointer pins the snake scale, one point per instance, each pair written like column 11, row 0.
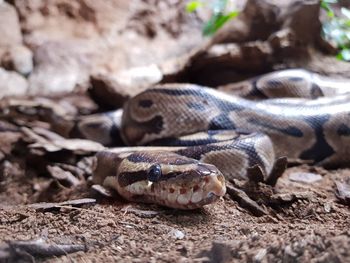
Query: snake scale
column 209, row 136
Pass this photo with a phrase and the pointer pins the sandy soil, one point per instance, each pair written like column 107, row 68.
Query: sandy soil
column 313, row 226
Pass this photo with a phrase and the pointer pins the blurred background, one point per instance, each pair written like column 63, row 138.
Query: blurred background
column 59, row 46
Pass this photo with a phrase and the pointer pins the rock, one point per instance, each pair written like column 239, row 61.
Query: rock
column 309, row 30
column 50, row 80
column 10, row 30
column 108, row 92
column 343, row 191
column 289, row 197
column 327, row 207
column 18, row 58
column 61, row 66
column 260, row 255
column 12, row 84
column 142, row 76
column 307, row 178
column 112, row 91
column 109, row 26
column 177, row 234
column 46, row 21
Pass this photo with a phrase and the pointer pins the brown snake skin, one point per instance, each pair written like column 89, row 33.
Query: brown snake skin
column 242, row 133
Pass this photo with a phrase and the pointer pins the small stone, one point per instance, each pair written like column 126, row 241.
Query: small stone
column 12, row 84
column 52, row 231
column 327, row 207
column 175, row 233
column 260, row 255
column 343, row 191
column 307, row 178
column 121, row 240
column 288, row 251
column 18, row 58
column 290, row 197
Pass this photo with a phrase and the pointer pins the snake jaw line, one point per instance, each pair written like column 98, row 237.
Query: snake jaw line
column 197, row 193
column 210, row 191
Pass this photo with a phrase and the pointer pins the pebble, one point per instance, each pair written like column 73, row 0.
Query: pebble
column 303, row 177
column 12, row 84
column 18, row 58
column 175, row 233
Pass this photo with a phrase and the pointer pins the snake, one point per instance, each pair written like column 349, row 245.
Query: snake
column 184, row 141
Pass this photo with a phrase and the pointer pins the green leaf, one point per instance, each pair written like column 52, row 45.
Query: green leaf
column 344, row 54
column 347, row 23
column 193, row 6
column 217, row 21
column 325, row 4
column 330, row 14
column 209, row 27
column 233, row 14
column 219, row 14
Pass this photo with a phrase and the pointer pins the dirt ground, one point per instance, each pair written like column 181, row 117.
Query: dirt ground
column 312, row 228
column 47, row 206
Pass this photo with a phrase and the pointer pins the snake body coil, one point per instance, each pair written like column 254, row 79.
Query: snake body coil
column 302, row 129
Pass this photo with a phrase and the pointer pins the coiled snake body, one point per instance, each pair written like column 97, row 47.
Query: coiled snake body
column 242, row 133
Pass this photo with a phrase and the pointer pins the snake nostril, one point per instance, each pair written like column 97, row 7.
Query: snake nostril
column 159, row 124
column 195, row 188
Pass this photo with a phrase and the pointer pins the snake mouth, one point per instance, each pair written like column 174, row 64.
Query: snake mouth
column 206, row 191
column 179, row 193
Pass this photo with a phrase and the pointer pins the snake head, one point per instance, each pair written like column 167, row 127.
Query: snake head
column 168, row 179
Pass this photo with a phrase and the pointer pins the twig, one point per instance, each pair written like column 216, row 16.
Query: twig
column 141, row 213
column 245, row 201
column 40, row 248
column 66, row 204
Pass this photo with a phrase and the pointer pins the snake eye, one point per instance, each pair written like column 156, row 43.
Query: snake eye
column 154, row 173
